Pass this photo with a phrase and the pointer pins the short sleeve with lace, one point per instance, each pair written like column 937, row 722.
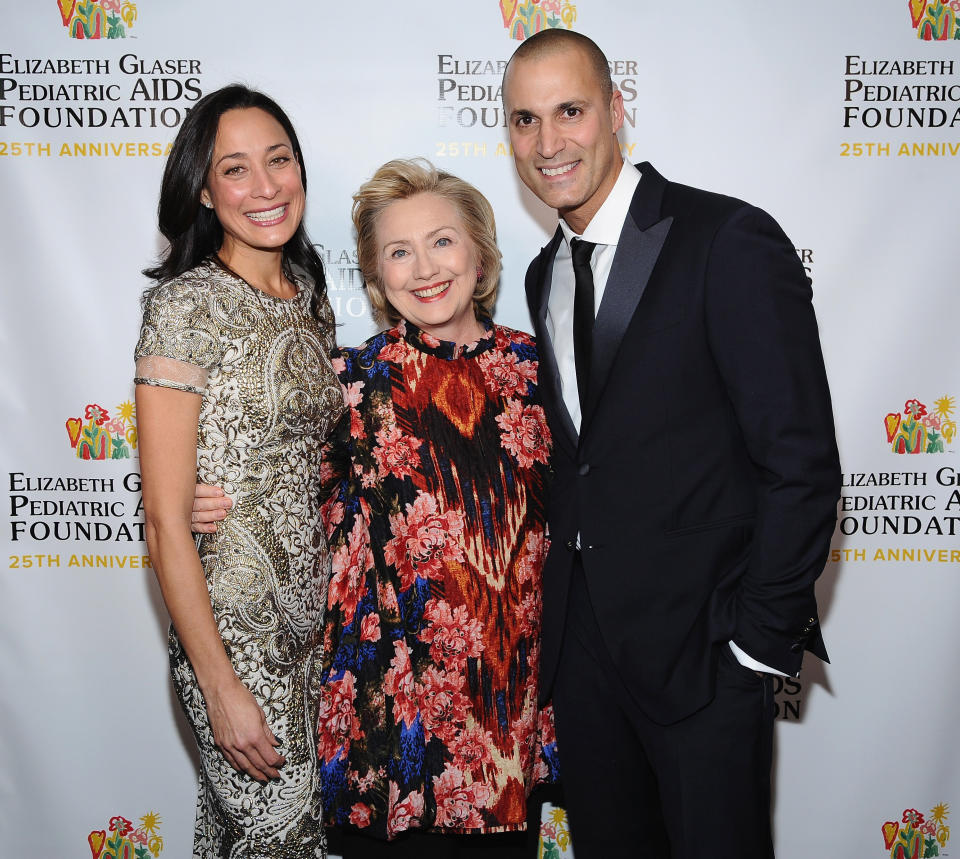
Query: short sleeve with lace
column 179, row 338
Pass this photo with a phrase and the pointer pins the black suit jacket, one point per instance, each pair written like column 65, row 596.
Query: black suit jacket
column 704, row 482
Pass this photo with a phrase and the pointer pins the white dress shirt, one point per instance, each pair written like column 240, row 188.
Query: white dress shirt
column 604, row 230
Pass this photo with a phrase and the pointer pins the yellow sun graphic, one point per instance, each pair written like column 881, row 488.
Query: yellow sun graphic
column 150, row 821
column 940, row 812
column 944, row 406
column 558, row 815
column 127, row 411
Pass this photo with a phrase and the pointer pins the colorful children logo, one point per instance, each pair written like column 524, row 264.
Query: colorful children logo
column 124, row 842
column 917, row 836
column 97, row 19
column 554, row 835
column 935, row 20
column 103, row 437
column 525, row 18
column 916, row 431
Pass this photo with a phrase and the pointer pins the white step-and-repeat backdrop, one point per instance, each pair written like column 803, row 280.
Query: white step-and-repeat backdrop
column 842, row 119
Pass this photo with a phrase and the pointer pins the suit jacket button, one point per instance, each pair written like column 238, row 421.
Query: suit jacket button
column 796, row 647
column 584, row 469
column 571, row 545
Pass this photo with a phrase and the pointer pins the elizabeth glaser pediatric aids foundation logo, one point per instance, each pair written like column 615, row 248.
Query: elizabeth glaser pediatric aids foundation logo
column 525, row 17
column 935, row 20
column 97, row 19
column 916, row 835
column 97, row 435
column 121, row 840
column 918, row 429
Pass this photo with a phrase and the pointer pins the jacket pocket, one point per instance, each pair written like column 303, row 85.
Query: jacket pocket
column 726, row 522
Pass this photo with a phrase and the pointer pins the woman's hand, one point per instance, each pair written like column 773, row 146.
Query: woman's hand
column 210, row 506
column 241, row 732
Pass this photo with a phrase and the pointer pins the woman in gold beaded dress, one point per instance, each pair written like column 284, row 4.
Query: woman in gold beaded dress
column 235, row 387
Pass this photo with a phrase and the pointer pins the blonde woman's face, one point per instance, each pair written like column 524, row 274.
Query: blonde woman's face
column 428, row 266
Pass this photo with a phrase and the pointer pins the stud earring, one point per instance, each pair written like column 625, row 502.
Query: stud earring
column 208, row 204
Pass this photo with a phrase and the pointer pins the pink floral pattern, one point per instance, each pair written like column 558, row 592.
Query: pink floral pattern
column 505, row 374
column 524, row 432
column 396, row 453
column 424, row 539
column 353, row 397
column 405, row 814
column 534, row 554
column 360, row 815
column 443, row 706
column 452, row 634
column 399, row 683
column 337, row 721
column 351, row 560
column 458, row 802
column 370, row 628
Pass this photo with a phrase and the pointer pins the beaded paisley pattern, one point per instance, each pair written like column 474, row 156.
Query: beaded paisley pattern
column 270, row 398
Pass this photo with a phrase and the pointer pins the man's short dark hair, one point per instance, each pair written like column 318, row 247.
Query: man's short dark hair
column 554, row 40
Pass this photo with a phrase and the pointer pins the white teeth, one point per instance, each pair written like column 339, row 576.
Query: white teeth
column 270, row 215
column 432, row 291
column 558, row 171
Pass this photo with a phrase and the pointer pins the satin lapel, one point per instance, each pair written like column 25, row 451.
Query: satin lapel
column 551, row 391
column 638, row 249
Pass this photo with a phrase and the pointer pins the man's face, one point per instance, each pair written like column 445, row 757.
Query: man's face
column 563, row 132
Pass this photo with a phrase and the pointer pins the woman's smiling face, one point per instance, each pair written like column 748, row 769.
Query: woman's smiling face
column 254, row 182
column 428, row 266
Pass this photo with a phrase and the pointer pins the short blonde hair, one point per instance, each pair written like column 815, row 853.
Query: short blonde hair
column 404, row 178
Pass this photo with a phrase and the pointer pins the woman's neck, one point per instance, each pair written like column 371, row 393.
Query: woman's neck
column 262, row 269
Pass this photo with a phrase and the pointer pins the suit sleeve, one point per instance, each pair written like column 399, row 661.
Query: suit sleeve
column 763, row 334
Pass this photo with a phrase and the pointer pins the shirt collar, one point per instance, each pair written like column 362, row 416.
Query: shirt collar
column 605, row 226
column 445, row 349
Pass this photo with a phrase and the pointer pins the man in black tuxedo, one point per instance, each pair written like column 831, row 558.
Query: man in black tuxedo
column 695, row 475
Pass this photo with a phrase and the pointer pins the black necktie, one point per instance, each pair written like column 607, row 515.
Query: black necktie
column 583, row 316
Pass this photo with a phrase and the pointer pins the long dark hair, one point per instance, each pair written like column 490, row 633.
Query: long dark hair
column 192, row 229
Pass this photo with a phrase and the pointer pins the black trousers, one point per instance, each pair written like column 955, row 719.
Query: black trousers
column 696, row 789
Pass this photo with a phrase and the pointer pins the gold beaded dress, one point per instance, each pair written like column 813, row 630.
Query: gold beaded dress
column 270, row 398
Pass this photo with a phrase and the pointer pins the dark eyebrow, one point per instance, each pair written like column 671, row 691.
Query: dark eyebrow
column 270, row 149
column 231, row 155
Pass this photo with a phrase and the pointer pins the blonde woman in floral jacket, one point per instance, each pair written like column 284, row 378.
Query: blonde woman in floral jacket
column 428, row 714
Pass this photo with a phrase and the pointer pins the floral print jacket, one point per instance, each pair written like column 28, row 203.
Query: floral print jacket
column 436, row 522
